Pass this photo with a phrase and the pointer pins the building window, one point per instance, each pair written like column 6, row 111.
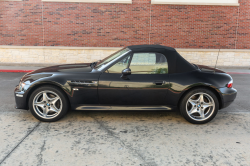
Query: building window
column 198, row 2
column 92, row 1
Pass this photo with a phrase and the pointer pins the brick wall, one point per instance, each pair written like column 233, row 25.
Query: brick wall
column 37, row 23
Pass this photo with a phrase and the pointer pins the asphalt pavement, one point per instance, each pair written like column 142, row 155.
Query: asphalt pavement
column 129, row 138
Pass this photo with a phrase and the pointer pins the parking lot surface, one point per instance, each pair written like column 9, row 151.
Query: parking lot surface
column 124, row 138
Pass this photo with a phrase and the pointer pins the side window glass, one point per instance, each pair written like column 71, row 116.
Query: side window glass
column 119, row 66
column 149, row 63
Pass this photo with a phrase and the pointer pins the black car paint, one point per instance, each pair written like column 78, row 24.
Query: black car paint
column 181, row 82
column 112, row 89
column 139, row 89
column 62, row 77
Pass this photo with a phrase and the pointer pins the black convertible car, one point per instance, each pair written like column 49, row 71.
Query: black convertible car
column 142, row 77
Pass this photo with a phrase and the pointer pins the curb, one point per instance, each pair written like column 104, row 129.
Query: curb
column 15, row 71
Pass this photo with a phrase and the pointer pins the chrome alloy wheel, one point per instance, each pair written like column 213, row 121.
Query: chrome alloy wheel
column 47, row 104
column 200, row 106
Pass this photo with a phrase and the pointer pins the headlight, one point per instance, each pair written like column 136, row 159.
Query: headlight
column 21, row 86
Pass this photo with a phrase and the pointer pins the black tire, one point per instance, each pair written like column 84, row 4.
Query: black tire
column 51, row 90
column 185, row 105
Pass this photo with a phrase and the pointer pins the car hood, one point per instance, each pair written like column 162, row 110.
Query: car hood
column 209, row 69
column 67, row 68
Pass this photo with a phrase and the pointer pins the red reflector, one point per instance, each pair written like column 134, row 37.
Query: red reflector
column 230, row 85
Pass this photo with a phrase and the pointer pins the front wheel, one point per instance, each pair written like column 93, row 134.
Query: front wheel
column 199, row 106
column 48, row 104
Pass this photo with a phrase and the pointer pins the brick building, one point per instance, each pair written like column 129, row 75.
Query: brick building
column 66, row 31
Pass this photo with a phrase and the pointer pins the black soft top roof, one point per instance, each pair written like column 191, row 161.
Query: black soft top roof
column 176, row 63
column 139, row 48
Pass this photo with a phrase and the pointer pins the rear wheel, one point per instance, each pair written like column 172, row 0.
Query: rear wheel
column 199, row 106
column 48, row 104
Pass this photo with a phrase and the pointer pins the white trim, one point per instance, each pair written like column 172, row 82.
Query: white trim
column 187, row 3
column 92, row 1
column 117, row 48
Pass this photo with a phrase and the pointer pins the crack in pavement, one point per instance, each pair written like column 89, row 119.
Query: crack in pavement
column 134, row 151
column 13, row 149
column 40, row 155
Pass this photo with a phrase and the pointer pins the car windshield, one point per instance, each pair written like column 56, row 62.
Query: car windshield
column 112, row 57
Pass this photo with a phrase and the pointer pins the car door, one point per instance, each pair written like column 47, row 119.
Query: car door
column 147, row 84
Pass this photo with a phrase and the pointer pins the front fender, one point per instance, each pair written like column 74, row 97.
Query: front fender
column 34, row 81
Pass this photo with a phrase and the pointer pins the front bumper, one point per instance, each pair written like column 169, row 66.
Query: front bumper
column 228, row 96
column 21, row 99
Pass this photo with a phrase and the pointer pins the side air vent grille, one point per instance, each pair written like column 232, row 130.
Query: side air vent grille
column 81, row 82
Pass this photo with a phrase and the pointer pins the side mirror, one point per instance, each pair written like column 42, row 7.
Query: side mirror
column 126, row 72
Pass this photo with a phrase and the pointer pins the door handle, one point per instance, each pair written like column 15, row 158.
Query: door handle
column 159, row 82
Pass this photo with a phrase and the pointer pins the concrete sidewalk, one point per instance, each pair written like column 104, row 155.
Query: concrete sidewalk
column 21, row 68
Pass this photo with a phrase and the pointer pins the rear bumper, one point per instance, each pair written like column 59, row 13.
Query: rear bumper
column 228, row 96
column 20, row 98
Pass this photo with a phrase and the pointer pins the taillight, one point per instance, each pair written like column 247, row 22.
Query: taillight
column 230, row 84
